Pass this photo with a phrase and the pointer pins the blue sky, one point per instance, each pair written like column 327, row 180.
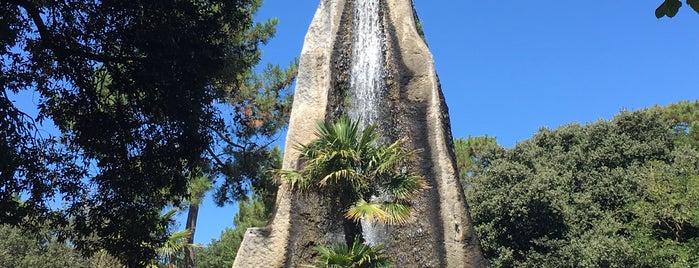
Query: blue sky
column 508, row 68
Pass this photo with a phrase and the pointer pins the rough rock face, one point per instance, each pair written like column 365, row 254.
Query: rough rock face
column 412, row 106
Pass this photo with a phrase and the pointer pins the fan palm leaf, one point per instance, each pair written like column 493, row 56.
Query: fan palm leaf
column 357, row 256
column 403, row 186
column 387, row 212
column 367, row 210
column 399, row 211
column 175, row 243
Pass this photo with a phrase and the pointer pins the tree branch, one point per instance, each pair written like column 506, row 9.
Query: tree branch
column 228, row 140
column 215, row 157
column 49, row 40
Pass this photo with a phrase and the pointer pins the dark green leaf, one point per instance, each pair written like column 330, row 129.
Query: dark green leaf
column 694, row 4
column 672, row 7
column 660, row 11
column 668, row 8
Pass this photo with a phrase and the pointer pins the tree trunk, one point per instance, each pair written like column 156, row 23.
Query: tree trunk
column 191, row 226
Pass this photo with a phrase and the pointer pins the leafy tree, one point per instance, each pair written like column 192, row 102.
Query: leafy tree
column 665, row 218
column 468, row 152
column 260, row 111
column 670, row 8
column 684, row 116
column 617, row 193
column 353, row 168
column 41, row 248
column 358, row 255
column 132, row 86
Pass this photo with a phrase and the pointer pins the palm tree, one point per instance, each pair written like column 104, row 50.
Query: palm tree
column 367, row 179
column 198, row 187
column 357, row 256
column 170, row 254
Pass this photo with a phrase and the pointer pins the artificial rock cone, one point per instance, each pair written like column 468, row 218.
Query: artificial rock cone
column 367, row 59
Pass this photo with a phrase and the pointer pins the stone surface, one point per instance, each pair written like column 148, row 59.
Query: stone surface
column 441, row 233
column 269, row 249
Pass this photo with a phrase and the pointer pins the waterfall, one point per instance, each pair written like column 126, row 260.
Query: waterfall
column 366, row 74
column 366, row 83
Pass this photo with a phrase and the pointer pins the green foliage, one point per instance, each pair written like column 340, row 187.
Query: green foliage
column 666, row 214
column 198, row 186
column 684, row 116
column 418, row 24
column 468, row 152
column 357, row 256
column 350, row 165
column 619, row 193
column 171, row 252
column 253, row 212
column 221, row 252
column 260, row 110
column 670, row 8
column 41, row 248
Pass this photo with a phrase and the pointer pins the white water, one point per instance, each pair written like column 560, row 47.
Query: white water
column 366, row 83
column 367, row 62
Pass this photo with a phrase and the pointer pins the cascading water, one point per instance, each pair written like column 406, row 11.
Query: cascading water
column 366, row 74
column 366, row 83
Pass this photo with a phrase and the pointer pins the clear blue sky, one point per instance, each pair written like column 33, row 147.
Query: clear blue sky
column 508, row 68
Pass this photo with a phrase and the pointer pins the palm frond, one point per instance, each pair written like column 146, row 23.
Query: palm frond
column 365, row 256
column 391, row 157
column 403, row 186
column 369, row 137
column 387, row 212
column 399, row 212
column 367, row 210
column 169, row 215
column 174, row 244
column 358, row 255
column 295, row 180
column 337, row 176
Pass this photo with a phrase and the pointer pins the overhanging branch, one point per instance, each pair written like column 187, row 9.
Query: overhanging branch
column 51, row 41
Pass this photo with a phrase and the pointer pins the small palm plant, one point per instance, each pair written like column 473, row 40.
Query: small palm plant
column 171, row 252
column 357, row 256
column 353, row 168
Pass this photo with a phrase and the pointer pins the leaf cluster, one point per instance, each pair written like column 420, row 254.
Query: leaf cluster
column 670, row 8
column 356, row 256
column 42, row 248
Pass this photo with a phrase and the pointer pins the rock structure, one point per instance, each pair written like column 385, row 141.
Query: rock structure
column 407, row 102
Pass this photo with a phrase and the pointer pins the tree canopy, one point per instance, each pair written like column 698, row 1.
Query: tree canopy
column 618, row 193
column 41, row 248
column 134, row 88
